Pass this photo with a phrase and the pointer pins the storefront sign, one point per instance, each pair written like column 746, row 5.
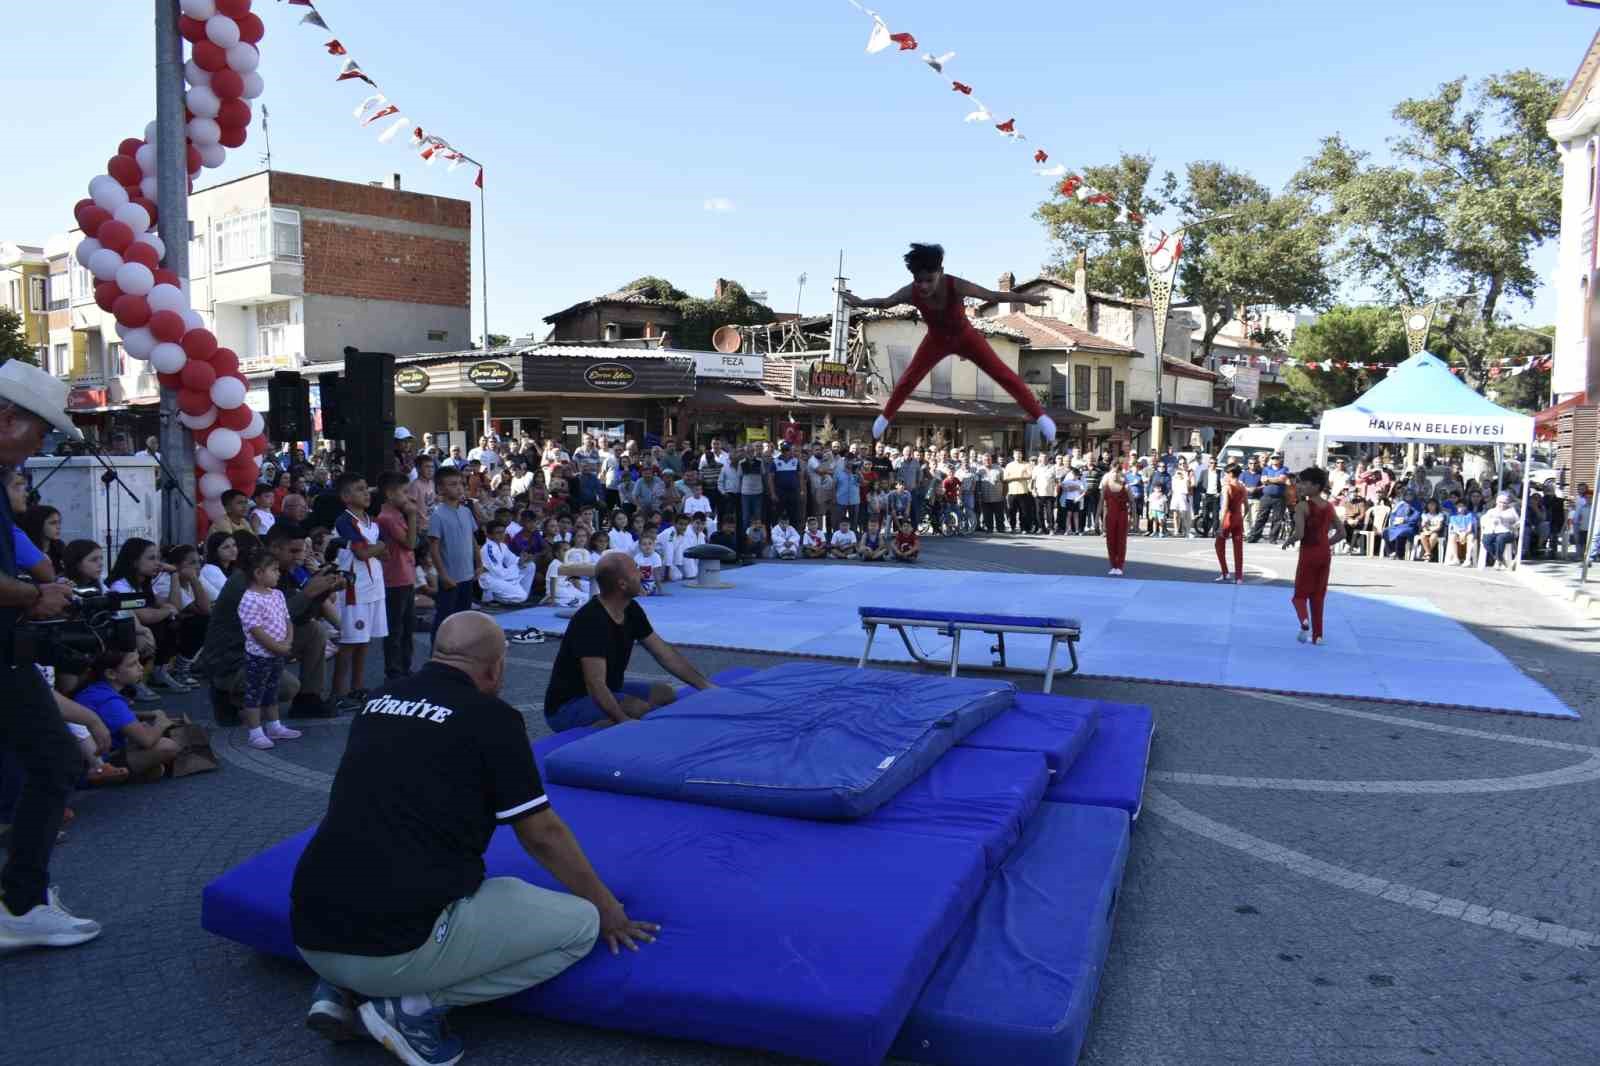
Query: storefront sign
column 489, row 376
column 755, row 434
column 728, row 367
column 86, row 399
column 257, row 364
column 831, row 381
column 1246, row 382
column 609, row 377
column 415, row 379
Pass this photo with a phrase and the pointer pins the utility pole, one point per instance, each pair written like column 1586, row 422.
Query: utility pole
column 172, row 208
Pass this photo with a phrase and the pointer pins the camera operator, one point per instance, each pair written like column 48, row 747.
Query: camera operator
column 31, row 727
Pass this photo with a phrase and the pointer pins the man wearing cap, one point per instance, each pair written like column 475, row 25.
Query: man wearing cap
column 1274, row 482
column 31, row 728
column 405, row 447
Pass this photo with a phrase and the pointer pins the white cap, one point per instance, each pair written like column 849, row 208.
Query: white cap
column 402, row 433
column 37, row 393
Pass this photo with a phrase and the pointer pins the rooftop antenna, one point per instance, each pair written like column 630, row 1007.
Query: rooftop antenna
column 266, row 140
column 839, row 338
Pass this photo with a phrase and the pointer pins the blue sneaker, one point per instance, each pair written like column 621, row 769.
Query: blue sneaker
column 415, row 1039
column 333, row 1013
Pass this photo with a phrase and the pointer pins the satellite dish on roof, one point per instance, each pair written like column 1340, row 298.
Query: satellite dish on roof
column 727, row 340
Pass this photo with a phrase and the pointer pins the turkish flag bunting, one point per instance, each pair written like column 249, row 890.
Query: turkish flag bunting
column 313, row 19
column 335, row 48
column 356, row 75
column 906, row 42
column 479, row 180
column 1040, row 156
column 1070, row 186
column 1008, row 126
column 960, row 87
column 382, row 112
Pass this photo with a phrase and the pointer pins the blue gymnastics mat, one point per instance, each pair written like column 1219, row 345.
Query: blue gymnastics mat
column 1111, row 771
column 805, row 740
column 1018, row 983
column 1224, row 635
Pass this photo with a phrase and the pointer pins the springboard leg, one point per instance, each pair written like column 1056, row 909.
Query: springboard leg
column 872, row 631
column 955, row 651
column 1050, row 664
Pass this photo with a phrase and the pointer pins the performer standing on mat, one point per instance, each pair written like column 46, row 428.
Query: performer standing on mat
column 937, row 296
column 1232, row 525
column 1114, row 518
column 1317, row 532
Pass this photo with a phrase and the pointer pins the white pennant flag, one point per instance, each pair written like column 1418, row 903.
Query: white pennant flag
column 938, row 62
column 455, row 161
column 880, row 37
column 394, row 128
column 980, row 115
column 375, row 100
column 1056, row 171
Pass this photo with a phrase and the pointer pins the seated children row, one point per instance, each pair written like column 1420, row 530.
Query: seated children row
column 811, row 543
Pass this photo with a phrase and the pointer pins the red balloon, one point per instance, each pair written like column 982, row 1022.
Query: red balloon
column 225, row 363
column 234, row 112
column 92, row 219
column 234, row 9
column 232, row 136
column 115, row 235
column 227, row 84
column 192, row 401
column 105, row 294
column 167, row 326
column 129, row 146
column 132, row 311
column 191, row 29
column 209, row 57
column 169, row 381
column 194, row 159
column 166, row 277
column 142, row 253
column 80, row 208
column 201, row 345
column 234, row 418
column 148, row 205
column 245, row 483
column 125, row 169
column 257, row 443
column 198, row 375
column 251, row 28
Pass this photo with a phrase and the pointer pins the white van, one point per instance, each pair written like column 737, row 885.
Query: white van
column 1298, row 444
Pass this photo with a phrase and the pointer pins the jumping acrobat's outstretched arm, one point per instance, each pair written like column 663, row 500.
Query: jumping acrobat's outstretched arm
column 901, row 296
column 965, row 288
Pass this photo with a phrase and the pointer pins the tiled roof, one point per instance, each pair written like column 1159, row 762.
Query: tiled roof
column 633, row 297
column 1185, row 369
column 1043, row 331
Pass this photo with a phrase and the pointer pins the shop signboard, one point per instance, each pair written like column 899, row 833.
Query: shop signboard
column 828, row 380
column 728, row 367
column 490, row 376
column 609, row 377
column 413, row 379
column 756, row 434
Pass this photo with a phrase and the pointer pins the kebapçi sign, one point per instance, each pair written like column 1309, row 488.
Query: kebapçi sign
column 831, row 381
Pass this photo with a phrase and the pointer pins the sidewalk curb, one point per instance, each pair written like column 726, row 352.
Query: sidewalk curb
column 1586, row 603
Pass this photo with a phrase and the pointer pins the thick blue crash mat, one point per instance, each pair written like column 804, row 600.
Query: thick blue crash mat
column 1018, row 983
column 972, row 794
column 803, row 740
column 1112, row 768
column 1059, row 727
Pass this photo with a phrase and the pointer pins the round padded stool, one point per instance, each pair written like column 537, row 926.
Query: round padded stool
column 710, row 557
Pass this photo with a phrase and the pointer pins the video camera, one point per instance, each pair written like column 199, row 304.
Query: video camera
column 96, row 621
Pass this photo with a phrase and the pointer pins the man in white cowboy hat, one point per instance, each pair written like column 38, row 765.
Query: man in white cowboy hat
column 32, row 733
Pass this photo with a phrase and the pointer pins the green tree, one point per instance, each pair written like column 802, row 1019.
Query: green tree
column 1284, row 407
column 700, row 318
column 1116, row 264
column 13, row 339
column 653, row 288
column 497, row 340
column 1473, row 189
column 1370, row 335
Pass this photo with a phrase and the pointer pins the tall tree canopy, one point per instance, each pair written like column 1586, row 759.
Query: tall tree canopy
column 13, row 341
column 1344, row 334
column 1115, row 262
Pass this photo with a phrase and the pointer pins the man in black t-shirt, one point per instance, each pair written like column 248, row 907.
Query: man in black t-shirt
column 588, row 683
column 389, row 899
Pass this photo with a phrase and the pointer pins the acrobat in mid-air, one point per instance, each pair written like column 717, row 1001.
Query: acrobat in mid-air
column 938, row 297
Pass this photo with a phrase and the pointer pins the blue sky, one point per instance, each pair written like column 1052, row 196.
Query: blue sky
column 756, row 140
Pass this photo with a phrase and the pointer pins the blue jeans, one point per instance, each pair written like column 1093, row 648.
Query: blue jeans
column 749, row 510
column 1494, row 546
column 449, row 602
column 583, row 711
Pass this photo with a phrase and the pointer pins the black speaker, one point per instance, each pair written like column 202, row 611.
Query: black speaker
column 369, row 376
column 333, row 405
column 288, row 407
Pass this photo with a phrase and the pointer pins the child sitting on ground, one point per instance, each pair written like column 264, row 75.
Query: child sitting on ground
column 570, row 591
column 906, row 544
column 842, row 545
column 651, row 568
column 756, row 544
column 813, row 545
column 874, row 545
column 672, row 543
column 139, row 746
column 727, row 534
column 785, row 539
column 692, row 539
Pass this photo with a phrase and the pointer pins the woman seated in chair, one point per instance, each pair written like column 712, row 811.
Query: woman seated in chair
column 1353, row 513
column 1401, row 529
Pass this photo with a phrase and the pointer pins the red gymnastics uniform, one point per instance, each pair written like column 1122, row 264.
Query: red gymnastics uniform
column 1232, row 527
column 1316, row 559
column 950, row 332
column 1116, row 504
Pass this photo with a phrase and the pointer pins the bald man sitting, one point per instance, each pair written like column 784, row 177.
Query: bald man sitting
column 389, row 900
column 588, row 684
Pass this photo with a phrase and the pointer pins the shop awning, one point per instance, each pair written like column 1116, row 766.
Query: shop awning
column 1544, row 423
column 1183, row 413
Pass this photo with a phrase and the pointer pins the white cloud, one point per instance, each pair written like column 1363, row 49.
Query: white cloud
column 719, row 204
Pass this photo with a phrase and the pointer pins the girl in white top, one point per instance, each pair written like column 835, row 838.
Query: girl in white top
column 1178, row 502
column 619, row 536
column 222, row 554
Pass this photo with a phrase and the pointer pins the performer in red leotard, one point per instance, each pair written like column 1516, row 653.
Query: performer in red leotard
column 1232, row 525
column 937, row 296
column 1317, row 533
column 1114, row 518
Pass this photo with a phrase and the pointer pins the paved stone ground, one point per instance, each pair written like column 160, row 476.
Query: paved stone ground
column 1313, row 881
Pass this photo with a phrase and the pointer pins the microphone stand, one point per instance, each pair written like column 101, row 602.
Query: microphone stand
column 107, row 479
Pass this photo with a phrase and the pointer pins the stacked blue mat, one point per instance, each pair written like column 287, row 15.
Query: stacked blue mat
column 943, row 889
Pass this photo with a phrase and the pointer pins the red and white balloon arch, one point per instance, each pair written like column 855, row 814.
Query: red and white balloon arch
column 122, row 250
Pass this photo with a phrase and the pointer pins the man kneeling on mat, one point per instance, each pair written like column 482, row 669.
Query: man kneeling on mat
column 389, row 900
column 587, row 684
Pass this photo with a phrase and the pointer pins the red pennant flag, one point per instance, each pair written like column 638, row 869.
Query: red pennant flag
column 356, row 75
column 960, row 87
column 335, row 48
column 382, row 112
column 479, row 181
column 1040, row 156
column 1098, row 198
column 906, row 42
column 1070, row 186
column 1008, row 126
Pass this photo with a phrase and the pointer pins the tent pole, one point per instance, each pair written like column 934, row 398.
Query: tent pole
column 1522, row 532
column 1588, row 542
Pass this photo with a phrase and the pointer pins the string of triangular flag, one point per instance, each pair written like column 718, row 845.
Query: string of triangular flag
column 378, row 107
column 1502, row 368
column 1072, row 184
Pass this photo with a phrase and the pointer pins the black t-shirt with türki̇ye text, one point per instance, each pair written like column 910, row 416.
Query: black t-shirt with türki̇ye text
column 432, row 766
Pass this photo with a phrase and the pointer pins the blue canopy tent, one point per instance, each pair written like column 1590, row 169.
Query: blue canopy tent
column 1422, row 402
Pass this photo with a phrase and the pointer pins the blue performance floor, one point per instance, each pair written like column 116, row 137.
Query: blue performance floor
column 1171, row 631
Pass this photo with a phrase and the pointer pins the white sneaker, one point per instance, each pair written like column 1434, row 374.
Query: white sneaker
column 1222, row 579
column 262, row 743
column 1304, row 635
column 880, row 426
column 49, row 925
column 279, row 731
column 1047, row 428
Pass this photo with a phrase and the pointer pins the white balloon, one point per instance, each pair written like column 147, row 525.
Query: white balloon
column 122, row 331
column 212, row 155
column 222, row 31
column 214, row 484
column 139, row 342
column 227, row 393
column 154, row 240
column 146, row 158
column 243, row 58
column 213, row 508
column 167, row 298
column 135, row 279
column 137, row 218
column 191, row 317
column 168, row 358
column 149, row 189
column 199, row 421
column 150, row 132
column 194, row 75
column 198, row 9
column 206, row 461
column 202, row 101
column 224, row 443
column 107, row 193
column 86, row 249
column 204, row 131
column 257, row 426
column 253, row 85
column 104, row 264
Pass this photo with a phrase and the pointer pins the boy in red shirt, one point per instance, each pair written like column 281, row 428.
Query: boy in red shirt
column 906, row 544
column 399, row 522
